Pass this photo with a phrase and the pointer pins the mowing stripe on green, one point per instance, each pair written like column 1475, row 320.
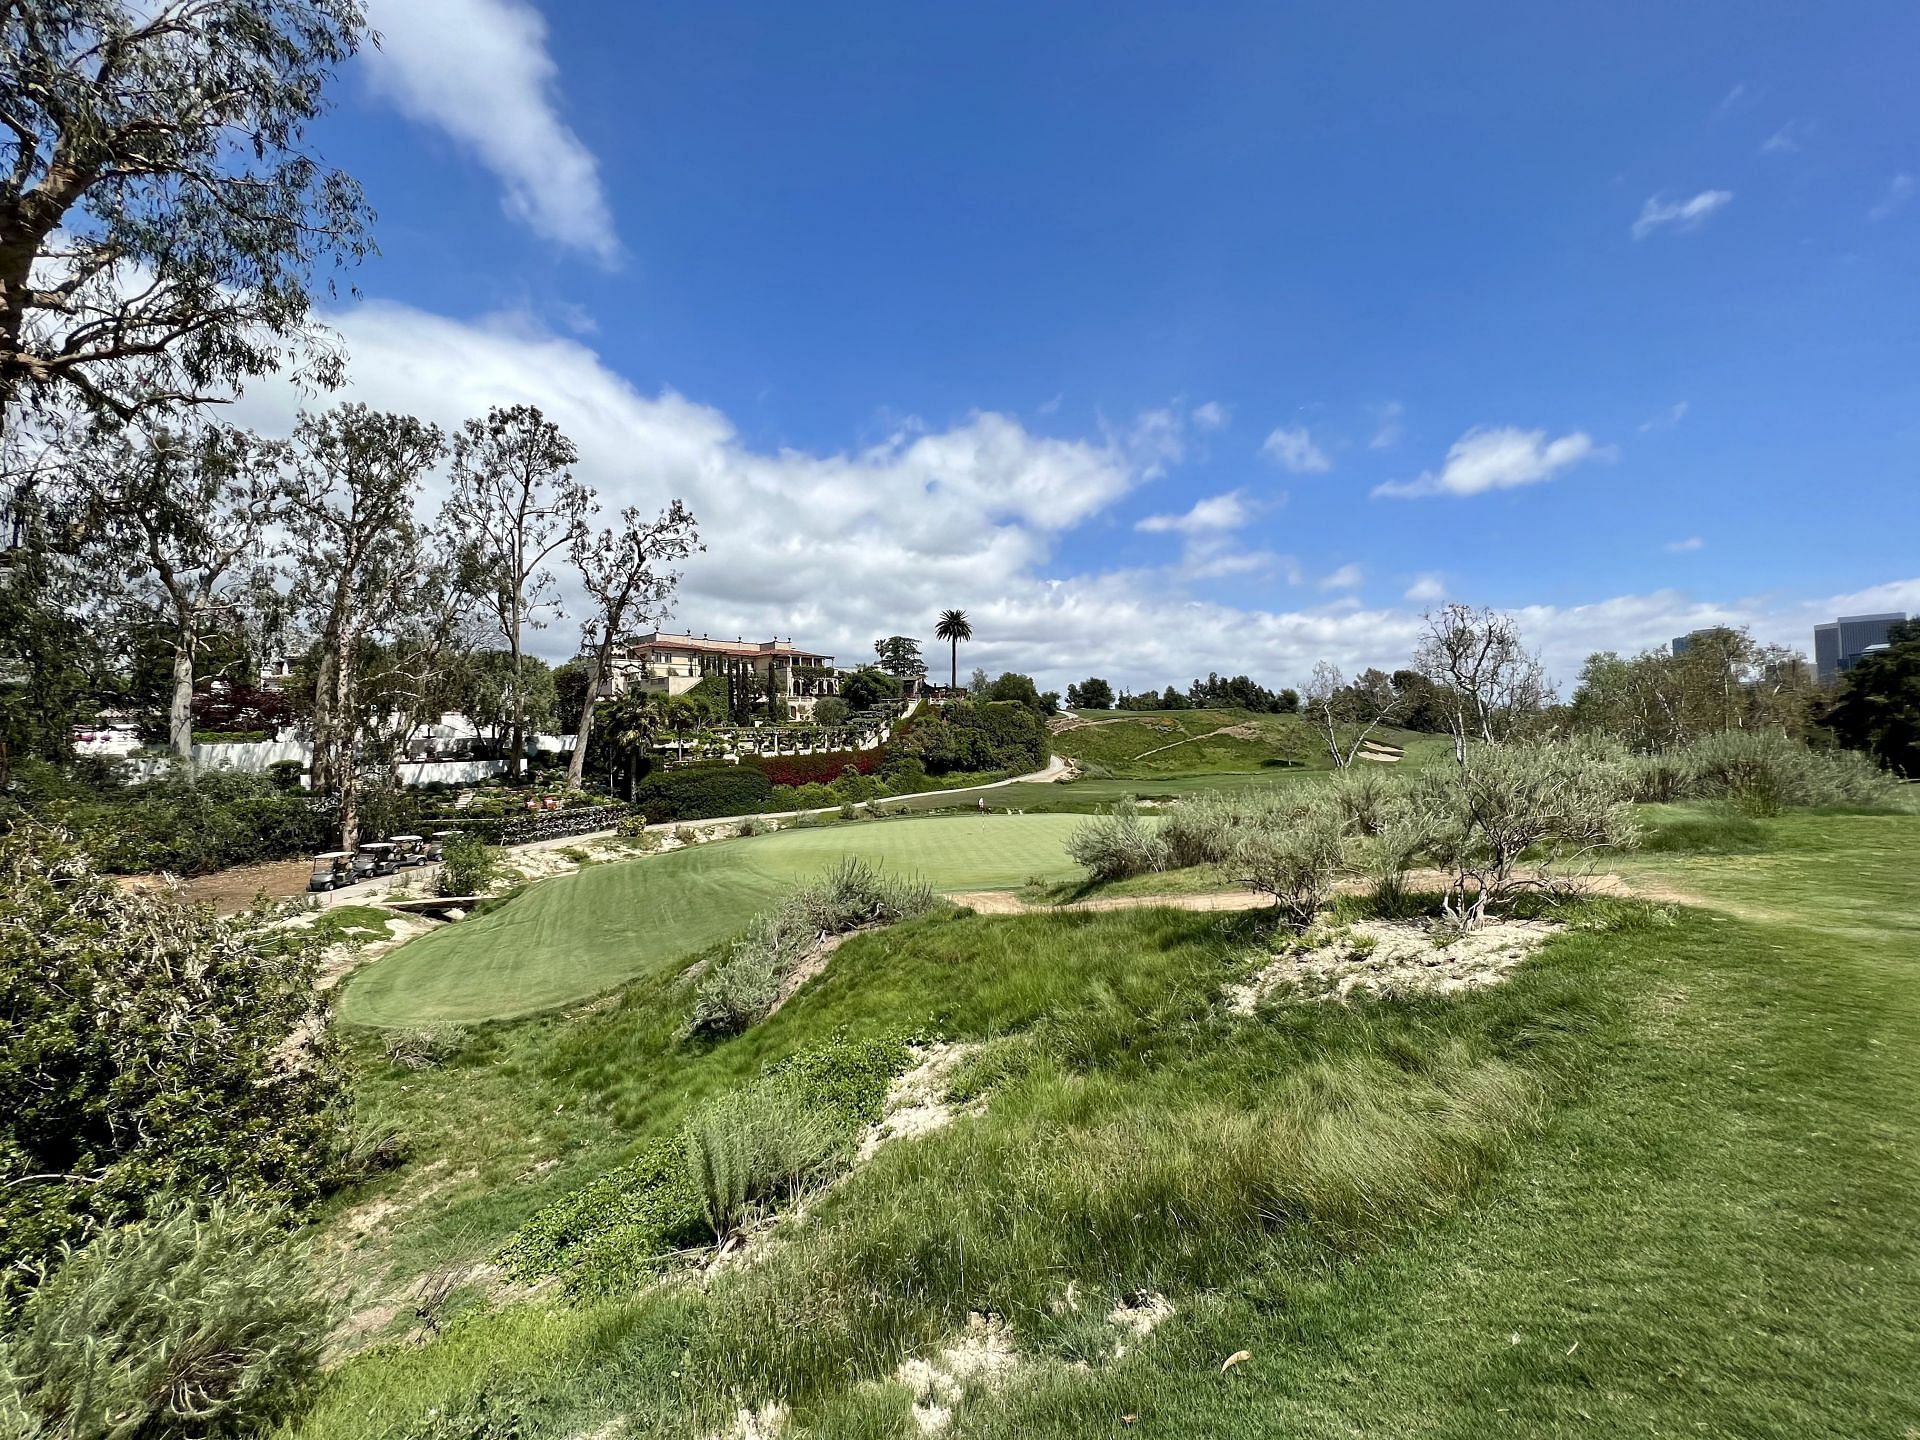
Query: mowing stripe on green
column 577, row 935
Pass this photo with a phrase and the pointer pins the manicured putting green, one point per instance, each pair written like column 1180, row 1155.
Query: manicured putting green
column 572, row 937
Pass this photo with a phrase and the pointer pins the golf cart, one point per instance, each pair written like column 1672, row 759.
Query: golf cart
column 409, row 850
column 331, row 868
column 373, row 858
column 437, row 847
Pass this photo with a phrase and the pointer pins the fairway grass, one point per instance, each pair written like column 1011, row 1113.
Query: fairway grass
column 1664, row 1181
column 575, row 936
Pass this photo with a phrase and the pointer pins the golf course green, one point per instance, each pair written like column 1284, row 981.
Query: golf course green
column 574, row 936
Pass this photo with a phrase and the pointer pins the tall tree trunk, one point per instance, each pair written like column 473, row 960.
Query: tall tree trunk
column 344, row 771
column 953, row 671
column 516, row 732
column 180, row 703
column 320, row 736
column 577, row 764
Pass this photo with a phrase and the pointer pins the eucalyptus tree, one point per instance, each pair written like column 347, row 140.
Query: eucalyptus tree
column 193, row 511
column 348, row 507
column 514, row 504
column 626, row 574
column 163, row 211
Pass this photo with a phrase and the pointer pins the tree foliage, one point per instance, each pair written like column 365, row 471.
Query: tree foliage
column 1090, row 694
column 162, row 212
column 1878, row 707
column 899, row 656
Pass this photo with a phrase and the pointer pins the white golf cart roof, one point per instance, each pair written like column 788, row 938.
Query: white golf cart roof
column 332, row 855
column 398, row 838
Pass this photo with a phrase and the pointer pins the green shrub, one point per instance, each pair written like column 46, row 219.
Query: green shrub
column 740, row 989
column 1117, row 843
column 702, row 792
column 628, row 1223
column 632, row 827
column 424, row 1049
column 150, row 1045
column 180, row 1325
column 754, row 1147
column 1764, row 772
column 468, row 866
column 1390, row 851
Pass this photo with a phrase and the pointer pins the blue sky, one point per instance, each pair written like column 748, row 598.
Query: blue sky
column 1166, row 339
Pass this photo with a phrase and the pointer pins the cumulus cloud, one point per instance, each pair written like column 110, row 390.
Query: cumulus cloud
column 1216, row 512
column 480, row 71
column 1212, row 416
column 1659, row 213
column 1294, row 450
column 836, row 549
column 1686, row 546
column 1898, row 192
column 1427, row 588
column 1347, row 577
column 1500, row 458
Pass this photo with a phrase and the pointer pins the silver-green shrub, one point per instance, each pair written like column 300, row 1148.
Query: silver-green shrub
column 1296, row 855
column 184, row 1324
column 1117, row 843
column 1522, row 817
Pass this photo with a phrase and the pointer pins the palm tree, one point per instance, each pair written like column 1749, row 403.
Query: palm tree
column 953, row 628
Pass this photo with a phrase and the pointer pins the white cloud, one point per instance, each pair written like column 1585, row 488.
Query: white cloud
column 1216, row 512
column 1682, row 547
column 1667, row 419
column 1789, row 139
column 1683, row 215
column 480, row 71
column 1499, row 459
column 836, row 549
column 1212, row 416
column 1347, row 577
column 1733, row 98
column 1427, row 588
column 1899, row 190
column 1387, row 434
column 1294, row 450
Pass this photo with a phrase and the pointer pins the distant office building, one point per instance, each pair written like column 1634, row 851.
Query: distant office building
column 1837, row 648
column 1684, row 643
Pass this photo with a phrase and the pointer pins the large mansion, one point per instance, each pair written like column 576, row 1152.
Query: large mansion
column 673, row 664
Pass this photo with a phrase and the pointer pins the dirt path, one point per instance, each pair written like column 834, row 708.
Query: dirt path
column 1006, row 902
column 1238, row 732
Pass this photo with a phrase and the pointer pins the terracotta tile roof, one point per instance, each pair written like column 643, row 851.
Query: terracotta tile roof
column 700, row 644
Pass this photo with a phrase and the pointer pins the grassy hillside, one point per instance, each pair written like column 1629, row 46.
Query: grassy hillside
column 1666, row 1180
column 572, row 937
column 1171, row 743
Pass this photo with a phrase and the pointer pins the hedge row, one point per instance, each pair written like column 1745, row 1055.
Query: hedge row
column 821, row 769
column 701, row 792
